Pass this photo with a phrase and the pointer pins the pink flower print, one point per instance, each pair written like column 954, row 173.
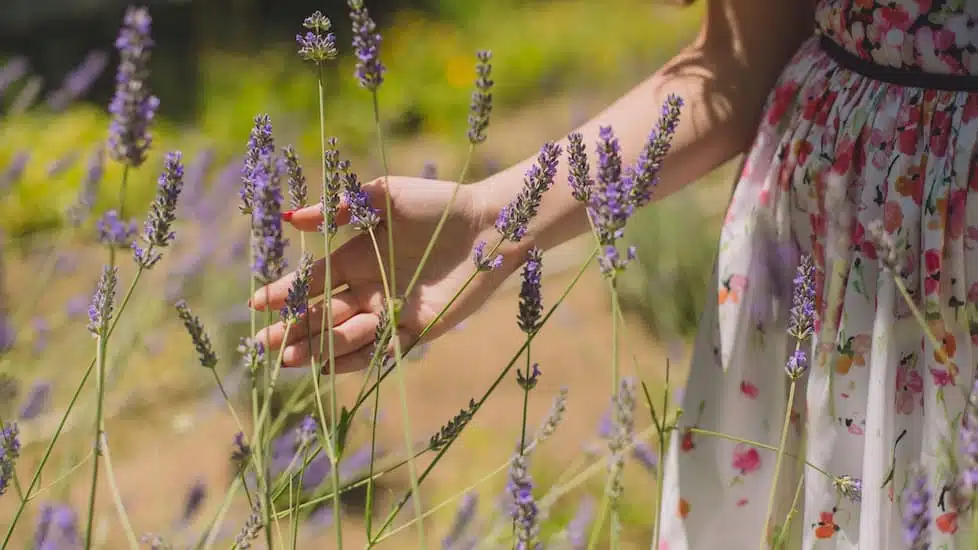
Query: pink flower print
column 741, row 502
column 941, row 377
column 909, row 384
column 746, row 459
column 749, row 389
column 940, row 133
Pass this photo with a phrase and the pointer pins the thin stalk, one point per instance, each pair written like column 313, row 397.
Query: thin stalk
column 263, row 474
column 395, row 312
column 759, row 445
column 227, row 399
column 327, row 327
column 221, row 512
column 60, row 478
column 502, row 375
column 117, row 495
column 295, row 509
column 777, row 465
column 615, row 471
column 100, row 397
column 779, row 542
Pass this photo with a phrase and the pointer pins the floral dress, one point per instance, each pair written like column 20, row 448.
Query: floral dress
column 872, row 130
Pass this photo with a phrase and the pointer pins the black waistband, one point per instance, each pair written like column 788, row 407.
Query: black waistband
column 900, row 77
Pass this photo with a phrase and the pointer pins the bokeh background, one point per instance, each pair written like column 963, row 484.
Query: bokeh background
column 216, row 64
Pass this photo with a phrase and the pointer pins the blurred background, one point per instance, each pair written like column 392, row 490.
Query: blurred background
column 215, row 65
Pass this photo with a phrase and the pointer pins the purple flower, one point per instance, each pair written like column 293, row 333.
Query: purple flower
column 14, row 171
column 158, row 230
column 609, row 205
column 366, row 45
column 250, row 531
column 318, row 44
column 579, row 177
column 514, row 218
column 482, row 263
column 849, row 487
column 297, row 181
column 644, row 176
column 36, row 400
column 464, row 517
column 79, row 211
column 363, row 216
column 12, row 71
column 645, row 455
column 531, row 299
column 100, row 310
column 9, row 453
column 115, row 233
column 133, row 106
column 79, row 80
column 528, row 380
column 429, row 170
column 62, row 164
column 193, row 181
column 261, row 144
column 336, row 171
column 802, row 320
column 797, row 364
column 76, row 306
column 297, row 301
column 916, row 511
column 306, row 432
column 481, row 106
column 578, row 527
column 523, row 509
column 610, row 260
column 57, row 528
column 266, row 224
column 241, row 452
column 202, row 343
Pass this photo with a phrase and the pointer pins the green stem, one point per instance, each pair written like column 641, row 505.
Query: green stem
column 100, row 395
column 117, row 495
column 777, row 465
column 759, row 445
column 502, row 375
column 295, row 508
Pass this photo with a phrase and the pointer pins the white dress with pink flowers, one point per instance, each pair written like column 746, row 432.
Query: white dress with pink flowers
column 875, row 120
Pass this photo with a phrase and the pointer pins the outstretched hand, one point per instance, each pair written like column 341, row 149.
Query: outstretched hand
column 417, row 205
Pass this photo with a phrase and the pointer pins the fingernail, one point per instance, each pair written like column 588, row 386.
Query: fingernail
column 287, row 215
column 249, row 302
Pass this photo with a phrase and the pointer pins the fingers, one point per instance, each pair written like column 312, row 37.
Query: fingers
column 361, row 358
column 355, row 333
column 344, row 307
column 310, row 217
column 343, row 260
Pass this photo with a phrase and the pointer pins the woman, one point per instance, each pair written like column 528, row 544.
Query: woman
column 873, row 119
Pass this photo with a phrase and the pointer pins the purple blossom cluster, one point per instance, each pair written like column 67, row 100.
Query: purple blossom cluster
column 514, row 218
column 266, row 220
column 114, row 232
column 202, row 343
column 317, row 44
column 523, row 505
column 366, row 45
column 79, row 211
column 531, row 298
column 481, row 106
column 103, row 301
column 9, row 453
column 916, row 511
column 296, row 179
column 158, row 229
column 79, row 80
column 261, row 145
column 363, row 216
column 335, row 174
column 297, row 301
column 57, row 527
column 133, row 106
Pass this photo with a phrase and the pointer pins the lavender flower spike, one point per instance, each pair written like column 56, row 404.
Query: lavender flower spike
column 463, row 519
column 524, row 509
column 113, row 232
column 579, row 177
column 802, row 321
column 250, row 531
column 79, row 211
column 260, row 144
column 297, row 301
column 916, row 511
column 100, row 311
column 269, row 256
column 644, row 175
column 608, row 205
column 336, row 170
column 578, row 527
column 531, row 300
column 133, row 106
column 482, row 263
column 363, row 216
column 202, row 343
column 9, row 453
column 157, row 232
column 318, row 44
column 514, row 218
column 481, row 105
column 296, row 179
column 366, row 44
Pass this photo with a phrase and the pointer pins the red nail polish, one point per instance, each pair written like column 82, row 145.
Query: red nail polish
column 287, row 215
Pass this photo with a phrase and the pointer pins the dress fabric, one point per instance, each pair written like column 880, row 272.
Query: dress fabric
column 836, row 151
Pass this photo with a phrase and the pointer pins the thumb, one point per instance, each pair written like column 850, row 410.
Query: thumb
column 310, row 217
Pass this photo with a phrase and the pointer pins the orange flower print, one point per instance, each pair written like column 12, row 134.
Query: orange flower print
column 853, row 352
column 733, row 287
column 826, row 527
column 683, row 510
column 746, row 459
column 948, row 346
column 911, row 183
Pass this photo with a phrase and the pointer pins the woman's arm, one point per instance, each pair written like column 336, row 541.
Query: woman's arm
column 724, row 77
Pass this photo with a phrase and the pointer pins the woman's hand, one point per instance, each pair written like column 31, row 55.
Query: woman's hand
column 417, row 205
